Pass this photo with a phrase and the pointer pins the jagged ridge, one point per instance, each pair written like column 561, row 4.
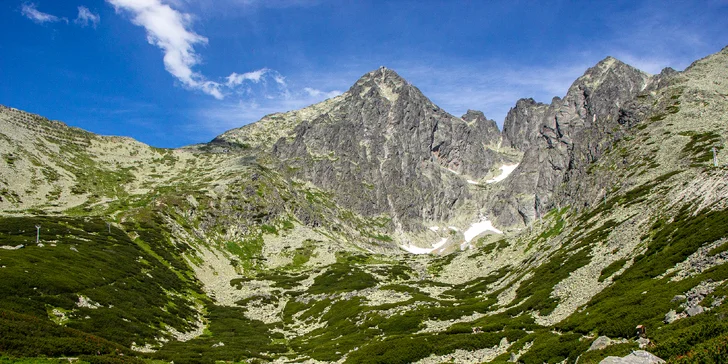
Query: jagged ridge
column 638, row 235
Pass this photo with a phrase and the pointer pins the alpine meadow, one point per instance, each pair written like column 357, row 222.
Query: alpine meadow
column 372, row 226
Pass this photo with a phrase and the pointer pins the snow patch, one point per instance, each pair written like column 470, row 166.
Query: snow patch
column 473, row 230
column 479, row 228
column 472, row 182
column 440, row 244
column 417, row 250
column 506, row 170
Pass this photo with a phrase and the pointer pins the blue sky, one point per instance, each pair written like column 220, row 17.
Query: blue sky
column 177, row 72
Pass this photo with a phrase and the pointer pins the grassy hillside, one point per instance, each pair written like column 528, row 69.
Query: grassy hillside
column 209, row 254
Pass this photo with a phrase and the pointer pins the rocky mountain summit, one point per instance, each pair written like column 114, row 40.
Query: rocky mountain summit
column 375, row 227
column 384, row 148
column 562, row 139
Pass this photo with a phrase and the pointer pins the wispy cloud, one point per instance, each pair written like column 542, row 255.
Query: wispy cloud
column 318, row 93
column 170, row 30
column 86, row 17
column 280, row 79
column 30, row 11
column 491, row 86
column 236, row 79
column 657, row 40
column 227, row 8
column 270, row 3
column 213, row 118
column 651, row 44
column 258, row 93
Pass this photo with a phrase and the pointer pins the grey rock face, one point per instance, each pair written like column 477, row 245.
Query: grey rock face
column 522, row 124
column 600, row 343
column 483, row 126
column 385, row 148
column 695, row 310
column 672, row 316
column 643, row 342
column 717, row 301
column 572, row 133
column 637, row 357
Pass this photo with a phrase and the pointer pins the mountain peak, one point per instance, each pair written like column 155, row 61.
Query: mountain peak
column 484, row 126
column 612, row 70
column 609, row 62
column 382, row 75
column 473, row 114
column 609, row 59
column 476, row 116
column 384, row 81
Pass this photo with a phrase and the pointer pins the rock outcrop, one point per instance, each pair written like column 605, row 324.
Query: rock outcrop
column 486, row 128
column 384, row 148
column 561, row 139
column 637, row 357
column 523, row 123
column 256, row 240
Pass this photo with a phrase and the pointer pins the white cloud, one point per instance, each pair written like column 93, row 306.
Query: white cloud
column 243, row 8
column 171, row 31
column 318, row 93
column 236, row 79
column 280, row 80
column 215, row 118
column 30, row 11
column 86, row 17
column 167, row 29
column 490, row 86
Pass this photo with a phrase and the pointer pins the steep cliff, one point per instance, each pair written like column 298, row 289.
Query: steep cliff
column 384, row 148
column 523, row 123
column 561, row 139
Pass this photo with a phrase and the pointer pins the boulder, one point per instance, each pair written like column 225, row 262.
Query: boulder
column 695, row 310
column 643, row 342
column 600, row 343
column 671, row 317
column 637, row 357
